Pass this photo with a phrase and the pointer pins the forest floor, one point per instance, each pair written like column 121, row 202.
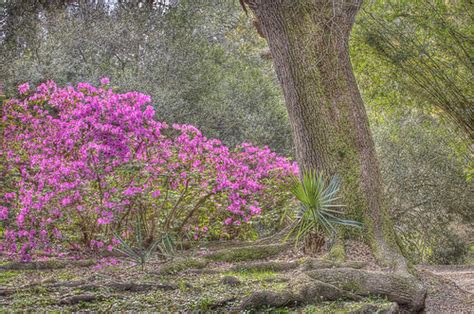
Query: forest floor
column 450, row 288
column 213, row 278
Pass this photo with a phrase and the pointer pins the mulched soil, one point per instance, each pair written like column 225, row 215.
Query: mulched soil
column 445, row 294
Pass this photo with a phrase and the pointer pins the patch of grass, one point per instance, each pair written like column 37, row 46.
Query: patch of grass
column 352, row 286
column 179, row 265
column 204, row 303
column 247, row 253
column 470, row 254
column 337, row 253
column 182, row 285
column 252, row 275
column 7, row 276
column 34, row 298
column 332, row 307
column 340, row 307
column 66, row 276
column 259, row 280
column 276, row 266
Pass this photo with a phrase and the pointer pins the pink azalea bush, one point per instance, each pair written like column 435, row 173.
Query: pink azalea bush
column 83, row 161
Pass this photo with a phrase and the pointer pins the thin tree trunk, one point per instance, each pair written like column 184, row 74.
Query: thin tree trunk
column 309, row 43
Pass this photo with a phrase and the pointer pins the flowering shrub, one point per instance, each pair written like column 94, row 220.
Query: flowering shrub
column 85, row 161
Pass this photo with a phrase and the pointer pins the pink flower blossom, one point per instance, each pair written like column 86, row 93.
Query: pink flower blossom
column 104, row 81
column 103, row 221
column 23, row 88
column 3, row 212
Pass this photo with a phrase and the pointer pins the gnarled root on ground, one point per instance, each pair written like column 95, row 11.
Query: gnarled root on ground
column 312, row 286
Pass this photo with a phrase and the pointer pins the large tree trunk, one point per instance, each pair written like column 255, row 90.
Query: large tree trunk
column 309, row 43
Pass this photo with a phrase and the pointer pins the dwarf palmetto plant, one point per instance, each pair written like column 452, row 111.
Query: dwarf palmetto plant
column 319, row 210
column 140, row 253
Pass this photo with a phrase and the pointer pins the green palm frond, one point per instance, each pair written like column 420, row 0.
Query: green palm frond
column 319, row 208
column 139, row 253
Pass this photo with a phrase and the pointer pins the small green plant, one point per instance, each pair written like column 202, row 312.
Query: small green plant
column 140, row 253
column 319, row 211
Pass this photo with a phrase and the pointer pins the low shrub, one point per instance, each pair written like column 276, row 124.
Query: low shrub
column 85, row 161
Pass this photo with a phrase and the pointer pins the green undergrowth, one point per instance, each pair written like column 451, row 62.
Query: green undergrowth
column 195, row 293
column 185, row 284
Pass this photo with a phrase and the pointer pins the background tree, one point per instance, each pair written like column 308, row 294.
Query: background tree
column 428, row 194
column 431, row 43
column 199, row 62
column 426, row 161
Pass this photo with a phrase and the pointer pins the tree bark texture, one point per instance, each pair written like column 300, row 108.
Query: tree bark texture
column 309, row 43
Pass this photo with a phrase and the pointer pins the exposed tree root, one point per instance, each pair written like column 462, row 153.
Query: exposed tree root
column 200, row 271
column 51, row 264
column 128, row 286
column 221, row 303
column 82, row 285
column 316, row 281
column 269, row 298
column 406, row 290
column 313, row 263
column 307, row 291
column 79, row 298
